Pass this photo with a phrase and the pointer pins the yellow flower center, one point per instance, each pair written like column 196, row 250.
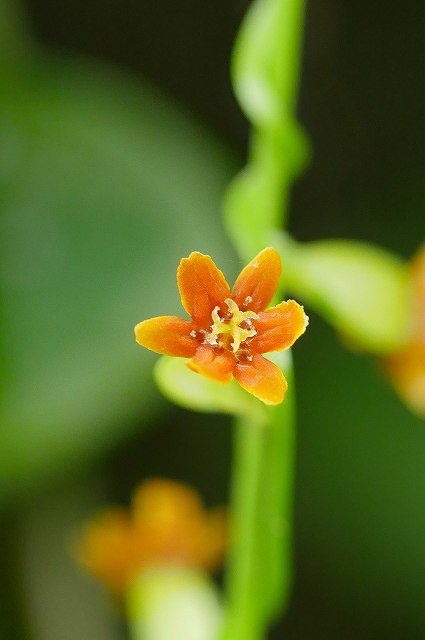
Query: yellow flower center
column 230, row 326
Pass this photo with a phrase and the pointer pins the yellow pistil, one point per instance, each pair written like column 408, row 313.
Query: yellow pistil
column 230, row 326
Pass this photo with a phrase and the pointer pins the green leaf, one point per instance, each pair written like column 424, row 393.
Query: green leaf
column 265, row 64
column 105, row 185
column 364, row 291
column 193, row 391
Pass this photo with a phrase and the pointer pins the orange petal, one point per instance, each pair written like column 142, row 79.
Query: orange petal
column 202, row 287
column 107, row 550
column 407, row 372
column 169, row 518
column 257, row 283
column 279, row 327
column 212, row 364
column 160, row 503
column 168, row 335
column 263, row 379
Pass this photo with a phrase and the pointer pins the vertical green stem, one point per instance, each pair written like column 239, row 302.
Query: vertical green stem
column 259, row 571
column 265, row 68
column 242, row 622
column 276, row 500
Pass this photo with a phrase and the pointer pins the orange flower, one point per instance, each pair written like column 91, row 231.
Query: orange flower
column 167, row 527
column 229, row 330
column 406, row 367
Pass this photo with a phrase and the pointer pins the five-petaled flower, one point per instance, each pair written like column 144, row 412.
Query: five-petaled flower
column 229, row 330
column 167, row 527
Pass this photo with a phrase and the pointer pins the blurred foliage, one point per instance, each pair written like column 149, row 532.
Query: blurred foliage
column 363, row 290
column 358, row 511
column 105, row 185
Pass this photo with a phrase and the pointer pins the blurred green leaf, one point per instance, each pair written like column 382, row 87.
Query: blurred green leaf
column 193, row 391
column 265, row 64
column 363, row 290
column 104, row 185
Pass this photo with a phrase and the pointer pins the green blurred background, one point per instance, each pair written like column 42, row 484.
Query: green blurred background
column 118, row 135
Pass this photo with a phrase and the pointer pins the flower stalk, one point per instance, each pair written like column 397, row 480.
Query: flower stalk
column 243, row 617
column 229, row 330
column 260, row 567
column 266, row 66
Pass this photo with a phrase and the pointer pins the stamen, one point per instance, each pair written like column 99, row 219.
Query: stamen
column 231, row 326
column 193, row 333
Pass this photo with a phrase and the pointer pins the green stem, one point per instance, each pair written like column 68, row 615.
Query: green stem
column 242, row 622
column 276, row 499
column 259, row 570
column 266, row 66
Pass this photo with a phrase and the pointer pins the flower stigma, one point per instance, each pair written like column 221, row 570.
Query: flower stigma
column 230, row 326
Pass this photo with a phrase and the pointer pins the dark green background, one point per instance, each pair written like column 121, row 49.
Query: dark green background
column 360, row 489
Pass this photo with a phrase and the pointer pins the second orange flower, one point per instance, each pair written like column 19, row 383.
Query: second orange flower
column 229, row 330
